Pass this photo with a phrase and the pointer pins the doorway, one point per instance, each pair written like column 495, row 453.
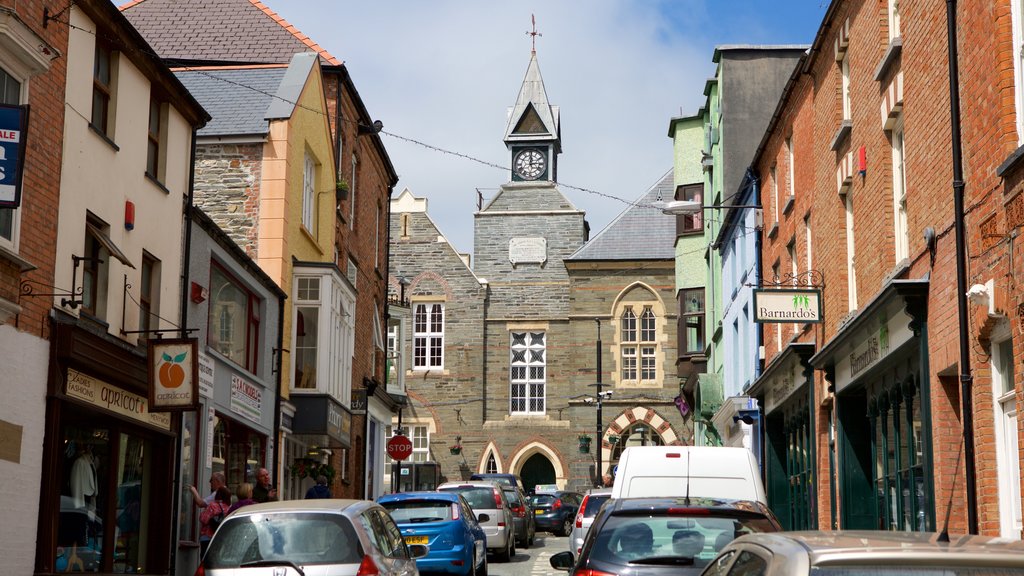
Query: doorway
column 537, row 470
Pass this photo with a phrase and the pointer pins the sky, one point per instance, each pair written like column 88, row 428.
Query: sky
column 441, row 75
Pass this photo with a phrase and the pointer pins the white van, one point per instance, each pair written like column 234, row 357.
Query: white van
column 697, row 471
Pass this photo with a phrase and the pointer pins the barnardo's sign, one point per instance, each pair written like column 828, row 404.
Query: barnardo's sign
column 13, row 130
column 800, row 305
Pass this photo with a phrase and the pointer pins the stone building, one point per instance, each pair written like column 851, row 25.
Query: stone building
column 499, row 358
column 277, row 92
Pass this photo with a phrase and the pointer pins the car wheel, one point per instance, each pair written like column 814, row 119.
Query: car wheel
column 512, row 551
column 567, row 526
column 483, row 567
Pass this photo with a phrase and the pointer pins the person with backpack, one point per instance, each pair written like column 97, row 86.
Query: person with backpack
column 320, row 489
column 212, row 516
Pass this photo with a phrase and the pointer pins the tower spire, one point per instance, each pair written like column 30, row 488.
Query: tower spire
column 533, row 34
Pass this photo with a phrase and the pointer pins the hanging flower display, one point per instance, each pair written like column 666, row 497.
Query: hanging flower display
column 307, row 468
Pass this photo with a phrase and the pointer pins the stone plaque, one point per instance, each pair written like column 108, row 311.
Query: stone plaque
column 10, row 442
column 532, row 250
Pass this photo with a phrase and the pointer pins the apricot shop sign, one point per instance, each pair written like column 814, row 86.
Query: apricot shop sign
column 173, row 375
column 100, row 394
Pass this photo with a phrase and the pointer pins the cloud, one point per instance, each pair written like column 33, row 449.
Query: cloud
column 445, row 72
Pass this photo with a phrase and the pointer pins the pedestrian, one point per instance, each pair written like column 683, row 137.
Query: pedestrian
column 244, row 497
column 608, row 481
column 320, row 489
column 216, row 481
column 213, row 514
column 263, row 491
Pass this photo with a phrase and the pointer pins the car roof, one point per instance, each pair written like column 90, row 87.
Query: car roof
column 336, row 505
column 655, row 504
column 470, row 484
column 599, row 492
column 880, row 547
column 420, row 495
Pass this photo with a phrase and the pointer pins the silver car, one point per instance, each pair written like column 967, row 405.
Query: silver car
column 592, row 502
column 867, row 553
column 487, row 497
column 314, row 537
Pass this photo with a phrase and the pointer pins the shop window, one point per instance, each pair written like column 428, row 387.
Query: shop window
column 238, row 452
column 10, row 93
column 104, row 503
column 234, row 323
column 894, row 409
column 799, row 467
column 528, row 373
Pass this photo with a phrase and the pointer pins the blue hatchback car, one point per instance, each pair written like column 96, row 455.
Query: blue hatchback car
column 446, row 524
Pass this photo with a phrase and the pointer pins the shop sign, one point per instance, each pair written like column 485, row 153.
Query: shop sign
column 13, row 132
column 890, row 335
column 173, row 375
column 113, row 399
column 802, row 306
column 358, row 404
column 780, row 388
column 318, row 414
column 246, row 399
column 207, row 370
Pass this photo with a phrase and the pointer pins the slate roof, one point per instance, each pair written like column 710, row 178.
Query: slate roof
column 532, row 93
column 219, row 31
column 237, row 99
column 639, row 232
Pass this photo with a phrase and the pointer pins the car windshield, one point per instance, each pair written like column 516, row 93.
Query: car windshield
column 416, row 511
column 679, row 540
column 305, row 538
column 479, row 497
column 594, row 502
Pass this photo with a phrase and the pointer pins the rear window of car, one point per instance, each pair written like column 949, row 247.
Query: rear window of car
column 478, row 497
column 305, row 538
column 676, row 540
column 512, row 497
column 418, row 511
column 542, row 499
column 594, row 502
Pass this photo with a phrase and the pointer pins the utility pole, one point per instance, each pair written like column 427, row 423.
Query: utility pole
column 598, row 474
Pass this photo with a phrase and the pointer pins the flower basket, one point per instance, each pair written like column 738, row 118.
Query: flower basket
column 455, row 449
column 584, row 444
column 614, row 439
column 306, row 468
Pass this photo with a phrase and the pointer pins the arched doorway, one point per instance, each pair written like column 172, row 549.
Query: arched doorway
column 537, row 470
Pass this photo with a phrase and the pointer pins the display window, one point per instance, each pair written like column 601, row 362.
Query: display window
column 105, row 506
column 238, row 451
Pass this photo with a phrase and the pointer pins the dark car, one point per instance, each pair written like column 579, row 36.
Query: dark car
column 555, row 511
column 522, row 516
column 444, row 522
column 663, row 536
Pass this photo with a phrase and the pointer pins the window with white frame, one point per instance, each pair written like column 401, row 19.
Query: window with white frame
column 692, row 321
column 309, row 212
column 894, row 19
column 234, row 319
column 528, row 373
column 428, row 336
column 899, row 193
column 638, row 347
column 491, row 467
column 307, row 332
column 10, row 93
column 323, row 330
column 775, row 195
column 1017, row 19
column 1007, row 456
column 844, row 67
column 790, row 162
column 851, row 268
column 395, row 355
column 419, row 434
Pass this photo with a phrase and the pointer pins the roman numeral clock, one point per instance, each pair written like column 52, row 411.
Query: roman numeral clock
column 530, row 164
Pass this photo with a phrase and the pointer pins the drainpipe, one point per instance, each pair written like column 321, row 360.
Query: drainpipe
column 186, row 257
column 966, row 380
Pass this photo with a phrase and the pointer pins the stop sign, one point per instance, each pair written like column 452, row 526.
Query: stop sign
column 399, row 448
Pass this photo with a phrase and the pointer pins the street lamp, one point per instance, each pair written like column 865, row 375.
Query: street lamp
column 687, row 207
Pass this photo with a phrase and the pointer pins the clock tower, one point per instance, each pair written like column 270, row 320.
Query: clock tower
column 533, row 134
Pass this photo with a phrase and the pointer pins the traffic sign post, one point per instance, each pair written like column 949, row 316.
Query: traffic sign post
column 399, row 448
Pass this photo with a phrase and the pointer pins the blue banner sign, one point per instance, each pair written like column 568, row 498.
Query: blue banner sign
column 13, row 130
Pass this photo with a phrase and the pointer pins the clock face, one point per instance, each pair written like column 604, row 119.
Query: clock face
column 530, row 164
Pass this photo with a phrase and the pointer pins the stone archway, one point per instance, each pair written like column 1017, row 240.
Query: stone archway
column 630, row 421
column 537, row 469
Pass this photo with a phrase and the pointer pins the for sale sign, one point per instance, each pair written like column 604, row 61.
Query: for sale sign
column 13, row 130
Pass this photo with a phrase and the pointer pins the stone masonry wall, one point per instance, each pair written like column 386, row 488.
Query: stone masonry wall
column 227, row 187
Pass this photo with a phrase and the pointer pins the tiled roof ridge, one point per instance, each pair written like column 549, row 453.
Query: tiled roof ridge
column 293, row 31
column 129, row 4
column 224, row 67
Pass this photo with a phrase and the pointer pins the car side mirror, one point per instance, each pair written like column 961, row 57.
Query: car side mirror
column 418, row 550
column 483, row 518
column 563, row 561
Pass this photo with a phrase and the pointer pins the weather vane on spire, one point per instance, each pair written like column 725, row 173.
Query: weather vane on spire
column 534, row 34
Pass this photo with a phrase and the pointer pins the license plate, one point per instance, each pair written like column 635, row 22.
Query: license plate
column 538, row 511
column 416, row 539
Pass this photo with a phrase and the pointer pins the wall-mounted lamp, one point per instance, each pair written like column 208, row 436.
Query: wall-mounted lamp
column 373, row 129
